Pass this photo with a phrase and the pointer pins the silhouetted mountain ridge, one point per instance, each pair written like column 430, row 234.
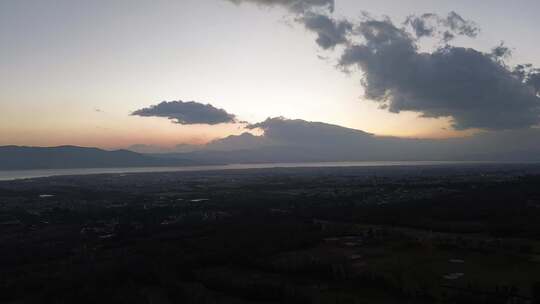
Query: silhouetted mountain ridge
column 296, row 140
column 64, row 157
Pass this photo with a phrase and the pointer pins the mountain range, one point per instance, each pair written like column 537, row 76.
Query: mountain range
column 65, row 157
column 295, row 140
column 287, row 140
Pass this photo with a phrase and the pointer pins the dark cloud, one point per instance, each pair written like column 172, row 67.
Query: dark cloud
column 534, row 81
column 301, row 132
column 501, row 52
column 330, row 32
column 421, row 25
column 296, row 6
column 529, row 75
column 474, row 88
column 311, row 13
column 446, row 28
column 187, row 113
column 461, row 26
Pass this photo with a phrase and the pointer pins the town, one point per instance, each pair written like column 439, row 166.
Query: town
column 465, row 234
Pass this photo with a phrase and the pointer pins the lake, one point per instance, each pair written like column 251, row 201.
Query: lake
column 22, row 174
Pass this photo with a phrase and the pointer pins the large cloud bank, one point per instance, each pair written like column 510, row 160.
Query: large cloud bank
column 475, row 89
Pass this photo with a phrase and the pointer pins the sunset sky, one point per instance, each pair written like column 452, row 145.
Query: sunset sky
column 72, row 71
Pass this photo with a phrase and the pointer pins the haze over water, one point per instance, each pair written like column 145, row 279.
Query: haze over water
column 6, row 175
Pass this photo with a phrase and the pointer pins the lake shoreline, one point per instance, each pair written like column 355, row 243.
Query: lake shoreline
column 11, row 175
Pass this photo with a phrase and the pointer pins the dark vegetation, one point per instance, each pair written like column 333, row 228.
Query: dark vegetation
column 333, row 235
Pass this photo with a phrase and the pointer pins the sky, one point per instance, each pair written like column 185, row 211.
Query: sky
column 73, row 72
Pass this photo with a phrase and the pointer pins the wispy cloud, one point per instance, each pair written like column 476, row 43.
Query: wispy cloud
column 296, row 6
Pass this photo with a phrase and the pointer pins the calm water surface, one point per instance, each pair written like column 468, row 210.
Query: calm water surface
column 21, row 174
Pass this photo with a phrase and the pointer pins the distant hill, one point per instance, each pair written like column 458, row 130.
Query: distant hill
column 295, row 140
column 286, row 140
column 65, row 157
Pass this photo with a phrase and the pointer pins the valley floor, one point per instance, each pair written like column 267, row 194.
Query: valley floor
column 313, row 235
